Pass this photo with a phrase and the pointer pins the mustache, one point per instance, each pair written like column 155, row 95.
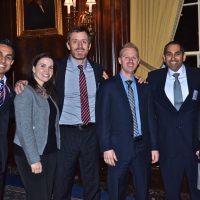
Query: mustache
column 80, row 49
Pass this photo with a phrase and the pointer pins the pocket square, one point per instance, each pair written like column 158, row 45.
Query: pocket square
column 195, row 94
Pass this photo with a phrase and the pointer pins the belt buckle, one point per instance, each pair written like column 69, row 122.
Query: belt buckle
column 138, row 138
column 82, row 126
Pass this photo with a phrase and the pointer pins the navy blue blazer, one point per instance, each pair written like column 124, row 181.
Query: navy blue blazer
column 60, row 79
column 114, row 119
column 4, row 120
column 175, row 128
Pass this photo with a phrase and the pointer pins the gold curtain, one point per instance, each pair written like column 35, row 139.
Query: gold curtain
column 153, row 24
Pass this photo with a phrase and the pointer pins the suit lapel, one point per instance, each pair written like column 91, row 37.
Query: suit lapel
column 97, row 75
column 60, row 82
column 141, row 93
column 123, row 95
column 188, row 99
column 163, row 99
column 9, row 96
column 162, row 87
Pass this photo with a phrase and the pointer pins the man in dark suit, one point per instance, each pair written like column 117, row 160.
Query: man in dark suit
column 176, row 96
column 6, row 98
column 77, row 121
column 197, row 144
column 126, row 134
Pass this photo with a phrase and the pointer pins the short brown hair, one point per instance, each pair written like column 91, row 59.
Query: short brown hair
column 129, row 45
column 79, row 29
column 174, row 43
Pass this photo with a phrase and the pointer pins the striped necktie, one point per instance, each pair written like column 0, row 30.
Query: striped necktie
column 85, row 111
column 131, row 100
column 2, row 92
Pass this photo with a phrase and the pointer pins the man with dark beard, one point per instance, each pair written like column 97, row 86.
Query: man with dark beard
column 77, row 82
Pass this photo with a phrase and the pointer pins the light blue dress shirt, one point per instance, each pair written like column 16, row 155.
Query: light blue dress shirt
column 71, row 113
column 137, row 109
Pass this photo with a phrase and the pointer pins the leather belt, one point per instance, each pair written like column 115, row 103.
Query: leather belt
column 80, row 126
column 138, row 138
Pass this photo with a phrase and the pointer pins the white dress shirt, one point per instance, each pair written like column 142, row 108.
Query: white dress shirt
column 169, row 84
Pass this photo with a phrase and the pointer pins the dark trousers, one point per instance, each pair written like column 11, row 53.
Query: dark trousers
column 38, row 186
column 138, row 166
column 78, row 145
column 172, row 170
column 2, row 180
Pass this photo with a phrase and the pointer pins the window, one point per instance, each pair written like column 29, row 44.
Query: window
column 188, row 31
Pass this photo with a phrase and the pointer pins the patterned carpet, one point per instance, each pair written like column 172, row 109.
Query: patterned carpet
column 15, row 193
column 14, row 190
column 18, row 193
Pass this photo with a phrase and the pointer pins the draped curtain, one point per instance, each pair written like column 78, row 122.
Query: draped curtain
column 153, row 24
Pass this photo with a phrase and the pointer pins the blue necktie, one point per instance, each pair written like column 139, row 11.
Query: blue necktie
column 2, row 92
column 132, row 105
column 178, row 98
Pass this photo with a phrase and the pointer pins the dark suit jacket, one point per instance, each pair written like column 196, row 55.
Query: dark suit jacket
column 175, row 128
column 114, row 119
column 60, row 79
column 4, row 120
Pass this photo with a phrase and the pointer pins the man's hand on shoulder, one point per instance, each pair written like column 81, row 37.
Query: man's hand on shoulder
column 140, row 79
column 105, row 75
column 109, row 157
column 19, row 86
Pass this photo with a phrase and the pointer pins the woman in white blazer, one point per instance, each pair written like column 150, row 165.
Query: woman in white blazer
column 37, row 136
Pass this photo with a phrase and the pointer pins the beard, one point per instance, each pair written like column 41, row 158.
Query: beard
column 79, row 55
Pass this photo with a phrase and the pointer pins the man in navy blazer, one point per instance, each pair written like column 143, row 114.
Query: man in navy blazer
column 176, row 126
column 6, row 99
column 123, row 151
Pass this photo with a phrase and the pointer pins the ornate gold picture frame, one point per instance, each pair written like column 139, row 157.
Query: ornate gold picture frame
column 23, row 28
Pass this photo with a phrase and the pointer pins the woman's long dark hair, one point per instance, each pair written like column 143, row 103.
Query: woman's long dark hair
column 50, row 84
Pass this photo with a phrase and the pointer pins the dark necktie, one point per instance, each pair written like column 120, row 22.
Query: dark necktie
column 85, row 111
column 2, row 92
column 178, row 98
column 132, row 105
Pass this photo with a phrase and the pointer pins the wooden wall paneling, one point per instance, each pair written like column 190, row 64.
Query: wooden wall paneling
column 98, row 31
column 6, row 19
column 27, row 48
column 120, row 30
column 105, row 36
column 125, row 21
column 7, row 24
column 112, row 31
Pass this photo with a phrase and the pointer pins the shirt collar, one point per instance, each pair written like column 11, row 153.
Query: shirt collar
column 4, row 79
column 181, row 71
column 124, row 78
column 73, row 64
